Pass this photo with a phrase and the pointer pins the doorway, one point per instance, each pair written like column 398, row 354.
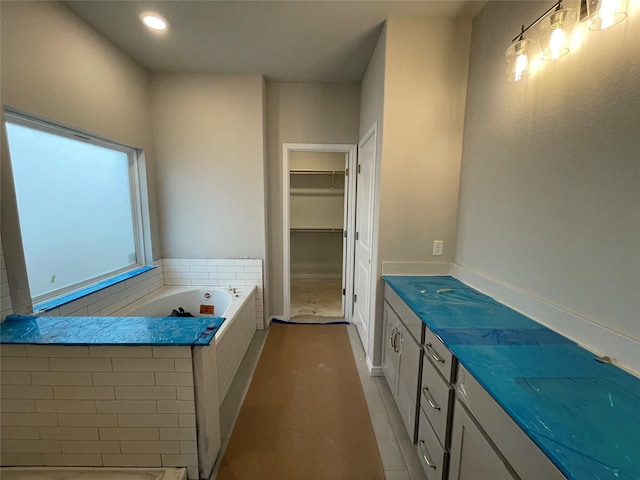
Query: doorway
column 318, row 216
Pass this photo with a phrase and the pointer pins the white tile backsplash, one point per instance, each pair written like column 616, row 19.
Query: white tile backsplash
column 223, row 272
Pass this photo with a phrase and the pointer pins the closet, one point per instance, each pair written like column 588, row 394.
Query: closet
column 317, row 219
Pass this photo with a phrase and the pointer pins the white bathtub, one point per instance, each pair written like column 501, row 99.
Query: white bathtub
column 214, row 366
column 160, row 303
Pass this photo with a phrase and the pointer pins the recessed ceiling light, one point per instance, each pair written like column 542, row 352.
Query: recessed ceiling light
column 154, row 21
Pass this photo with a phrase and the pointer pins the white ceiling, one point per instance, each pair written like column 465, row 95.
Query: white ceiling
column 290, row 40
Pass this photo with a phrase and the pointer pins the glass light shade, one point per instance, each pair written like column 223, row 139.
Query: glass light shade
column 555, row 33
column 519, row 56
column 606, row 13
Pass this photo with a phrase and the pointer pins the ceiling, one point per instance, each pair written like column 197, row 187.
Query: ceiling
column 286, row 40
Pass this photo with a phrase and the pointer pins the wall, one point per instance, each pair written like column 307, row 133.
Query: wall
column 208, row 132
column 56, row 67
column 301, row 113
column 425, row 71
column 550, row 205
column 372, row 102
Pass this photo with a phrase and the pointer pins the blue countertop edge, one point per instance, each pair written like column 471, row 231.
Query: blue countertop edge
column 580, row 366
column 70, row 297
column 112, row 331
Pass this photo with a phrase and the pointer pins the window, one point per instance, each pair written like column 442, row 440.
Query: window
column 78, row 203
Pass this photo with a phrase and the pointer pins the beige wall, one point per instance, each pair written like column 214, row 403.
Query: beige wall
column 425, row 71
column 372, row 113
column 550, row 202
column 54, row 66
column 301, row 113
column 208, row 133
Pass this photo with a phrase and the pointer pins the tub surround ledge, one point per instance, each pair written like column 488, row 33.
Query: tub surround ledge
column 125, row 331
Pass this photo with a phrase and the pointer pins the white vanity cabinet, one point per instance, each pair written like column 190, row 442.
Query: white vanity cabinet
column 487, row 443
column 436, row 405
column 401, row 356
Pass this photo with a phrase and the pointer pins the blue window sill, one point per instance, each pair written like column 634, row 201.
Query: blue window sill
column 57, row 302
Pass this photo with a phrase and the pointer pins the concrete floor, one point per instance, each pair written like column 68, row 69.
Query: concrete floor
column 316, row 298
column 399, row 457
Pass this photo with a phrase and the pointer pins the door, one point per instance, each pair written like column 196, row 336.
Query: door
column 289, row 224
column 363, row 240
column 472, row 456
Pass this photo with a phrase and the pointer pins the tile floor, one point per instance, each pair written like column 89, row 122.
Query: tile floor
column 398, row 454
column 312, row 297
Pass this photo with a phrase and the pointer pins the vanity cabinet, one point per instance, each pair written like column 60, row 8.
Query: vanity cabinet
column 401, row 358
column 487, row 443
column 436, row 405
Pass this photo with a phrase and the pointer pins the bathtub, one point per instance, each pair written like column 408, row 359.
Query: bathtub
column 215, row 365
column 236, row 305
column 64, row 473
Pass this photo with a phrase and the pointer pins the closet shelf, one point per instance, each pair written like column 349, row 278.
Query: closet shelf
column 312, row 171
column 317, row 230
column 316, row 191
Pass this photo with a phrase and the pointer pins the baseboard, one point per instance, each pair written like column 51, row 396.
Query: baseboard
column 318, row 276
column 374, row 370
column 594, row 337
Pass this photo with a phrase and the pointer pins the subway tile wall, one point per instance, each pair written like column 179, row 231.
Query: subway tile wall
column 98, row 406
column 223, row 273
column 5, row 298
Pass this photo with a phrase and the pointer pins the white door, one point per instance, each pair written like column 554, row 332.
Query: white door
column 364, row 237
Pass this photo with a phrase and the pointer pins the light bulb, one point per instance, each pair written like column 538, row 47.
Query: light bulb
column 517, row 56
column 521, row 66
column 556, row 42
column 606, row 13
column 555, row 31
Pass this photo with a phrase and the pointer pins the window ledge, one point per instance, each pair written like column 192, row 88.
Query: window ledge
column 57, row 302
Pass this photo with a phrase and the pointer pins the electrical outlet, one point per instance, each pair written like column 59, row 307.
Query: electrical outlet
column 438, row 246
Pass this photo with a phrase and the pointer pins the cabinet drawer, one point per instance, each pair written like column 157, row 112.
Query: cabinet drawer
column 433, row 458
column 440, row 355
column 436, row 399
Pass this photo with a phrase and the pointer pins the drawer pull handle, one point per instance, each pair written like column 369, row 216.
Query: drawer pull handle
column 425, row 454
column 430, row 399
column 432, row 353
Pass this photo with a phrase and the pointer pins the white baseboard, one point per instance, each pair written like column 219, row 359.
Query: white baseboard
column 588, row 334
column 374, row 370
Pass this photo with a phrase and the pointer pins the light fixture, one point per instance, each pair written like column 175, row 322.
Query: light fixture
column 606, row 13
column 519, row 57
column 154, row 21
column 555, row 32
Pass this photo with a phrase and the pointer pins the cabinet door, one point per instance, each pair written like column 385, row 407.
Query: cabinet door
column 390, row 349
column 472, row 456
column 408, row 377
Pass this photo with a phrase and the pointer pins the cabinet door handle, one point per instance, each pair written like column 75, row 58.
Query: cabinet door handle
column 432, row 353
column 392, row 337
column 396, row 347
column 425, row 454
column 430, row 398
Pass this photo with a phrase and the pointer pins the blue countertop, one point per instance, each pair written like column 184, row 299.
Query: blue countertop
column 41, row 330
column 583, row 414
